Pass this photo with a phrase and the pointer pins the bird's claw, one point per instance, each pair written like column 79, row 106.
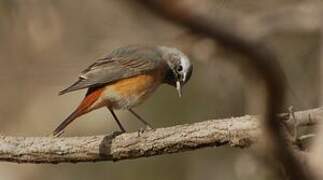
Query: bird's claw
column 142, row 130
column 117, row 133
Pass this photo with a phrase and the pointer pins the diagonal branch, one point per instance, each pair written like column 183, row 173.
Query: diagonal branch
column 236, row 132
column 261, row 60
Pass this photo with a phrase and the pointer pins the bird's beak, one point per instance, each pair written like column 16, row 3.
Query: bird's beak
column 179, row 88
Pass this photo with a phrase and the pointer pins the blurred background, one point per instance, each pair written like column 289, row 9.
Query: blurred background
column 45, row 44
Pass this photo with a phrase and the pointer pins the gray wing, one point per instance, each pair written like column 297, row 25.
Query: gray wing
column 121, row 63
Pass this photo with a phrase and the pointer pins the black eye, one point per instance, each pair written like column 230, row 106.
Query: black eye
column 179, row 68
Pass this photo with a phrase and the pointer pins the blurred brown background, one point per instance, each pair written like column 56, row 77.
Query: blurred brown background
column 44, row 44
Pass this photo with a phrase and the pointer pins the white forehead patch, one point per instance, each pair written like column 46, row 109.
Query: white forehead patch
column 185, row 62
column 186, row 66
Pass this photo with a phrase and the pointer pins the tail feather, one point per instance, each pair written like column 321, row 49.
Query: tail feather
column 83, row 108
column 65, row 123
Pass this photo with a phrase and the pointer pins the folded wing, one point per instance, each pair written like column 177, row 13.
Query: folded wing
column 121, row 63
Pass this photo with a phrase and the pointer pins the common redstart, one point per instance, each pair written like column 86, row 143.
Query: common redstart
column 126, row 77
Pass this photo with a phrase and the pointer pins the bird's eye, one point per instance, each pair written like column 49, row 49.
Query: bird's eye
column 179, row 68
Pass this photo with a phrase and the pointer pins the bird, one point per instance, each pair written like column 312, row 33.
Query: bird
column 125, row 78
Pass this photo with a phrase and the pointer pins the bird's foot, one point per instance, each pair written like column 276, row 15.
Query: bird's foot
column 142, row 130
column 116, row 133
column 148, row 128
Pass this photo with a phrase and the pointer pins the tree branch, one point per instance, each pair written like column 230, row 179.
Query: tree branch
column 236, row 132
column 261, row 60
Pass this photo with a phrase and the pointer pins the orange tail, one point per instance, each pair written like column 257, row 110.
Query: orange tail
column 83, row 108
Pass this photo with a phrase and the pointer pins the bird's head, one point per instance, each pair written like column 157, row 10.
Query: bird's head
column 179, row 68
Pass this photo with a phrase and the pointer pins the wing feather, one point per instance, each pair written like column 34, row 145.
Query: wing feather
column 121, row 63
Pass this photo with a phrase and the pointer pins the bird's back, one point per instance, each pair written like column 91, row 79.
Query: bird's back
column 121, row 63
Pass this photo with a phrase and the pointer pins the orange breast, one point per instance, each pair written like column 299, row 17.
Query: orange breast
column 129, row 92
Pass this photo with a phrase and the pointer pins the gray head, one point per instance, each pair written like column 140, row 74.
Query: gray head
column 180, row 67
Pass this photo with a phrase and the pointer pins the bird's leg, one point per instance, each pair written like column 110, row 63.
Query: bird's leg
column 140, row 118
column 58, row 134
column 117, row 120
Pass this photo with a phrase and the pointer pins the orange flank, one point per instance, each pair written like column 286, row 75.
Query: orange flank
column 135, row 85
column 130, row 92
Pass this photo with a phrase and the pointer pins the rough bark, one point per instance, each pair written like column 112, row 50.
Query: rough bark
column 235, row 132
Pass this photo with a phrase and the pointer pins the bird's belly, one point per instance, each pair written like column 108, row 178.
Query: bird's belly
column 127, row 93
